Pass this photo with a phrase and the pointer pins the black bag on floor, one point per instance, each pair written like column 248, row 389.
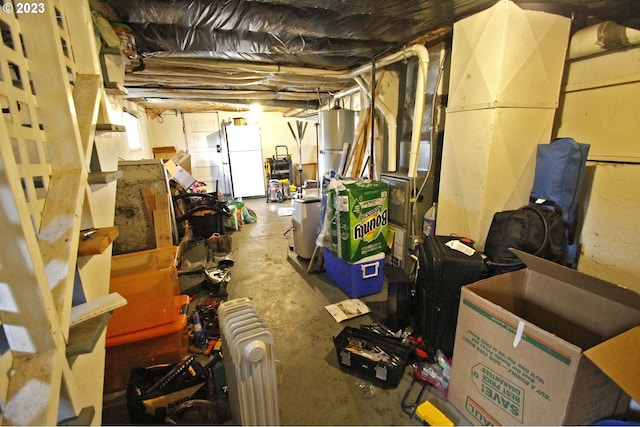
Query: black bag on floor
column 535, row 229
column 154, row 393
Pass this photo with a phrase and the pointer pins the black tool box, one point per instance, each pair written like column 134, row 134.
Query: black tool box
column 443, row 272
column 377, row 358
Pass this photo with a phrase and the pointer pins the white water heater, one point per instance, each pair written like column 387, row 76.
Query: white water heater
column 337, row 127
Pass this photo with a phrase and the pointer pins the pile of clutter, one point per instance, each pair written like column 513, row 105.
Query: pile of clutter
column 193, row 390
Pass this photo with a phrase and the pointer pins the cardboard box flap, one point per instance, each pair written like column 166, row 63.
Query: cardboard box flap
column 179, row 174
column 619, row 359
column 573, row 277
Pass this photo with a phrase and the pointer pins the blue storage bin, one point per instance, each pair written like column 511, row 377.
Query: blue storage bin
column 355, row 279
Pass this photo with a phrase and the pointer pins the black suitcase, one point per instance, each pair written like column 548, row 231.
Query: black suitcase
column 385, row 373
column 443, row 271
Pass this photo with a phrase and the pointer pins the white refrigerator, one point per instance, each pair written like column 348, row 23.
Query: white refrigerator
column 244, row 160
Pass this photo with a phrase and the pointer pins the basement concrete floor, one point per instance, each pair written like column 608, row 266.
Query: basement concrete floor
column 312, row 388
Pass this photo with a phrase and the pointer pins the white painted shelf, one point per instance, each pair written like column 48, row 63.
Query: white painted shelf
column 50, row 107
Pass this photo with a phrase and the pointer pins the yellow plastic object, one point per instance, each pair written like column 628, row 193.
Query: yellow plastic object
column 431, row 415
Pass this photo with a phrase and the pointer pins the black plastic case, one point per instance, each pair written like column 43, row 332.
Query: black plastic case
column 380, row 373
column 399, row 287
column 443, row 272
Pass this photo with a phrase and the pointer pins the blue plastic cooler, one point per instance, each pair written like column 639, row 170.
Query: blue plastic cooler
column 355, row 279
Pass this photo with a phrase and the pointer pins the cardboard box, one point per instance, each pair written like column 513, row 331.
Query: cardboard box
column 179, row 174
column 163, row 153
column 183, row 160
column 545, row 345
column 360, row 223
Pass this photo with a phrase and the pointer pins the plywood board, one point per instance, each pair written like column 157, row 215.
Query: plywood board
column 162, row 221
column 134, row 205
column 93, row 242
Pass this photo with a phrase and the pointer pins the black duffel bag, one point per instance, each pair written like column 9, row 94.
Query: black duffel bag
column 535, row 229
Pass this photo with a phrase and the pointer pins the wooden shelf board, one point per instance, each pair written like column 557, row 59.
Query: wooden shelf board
column 84, row 418
column 103, row 177
column 97, row 242
column 84, row 336
column 88, row 310
column 115, row 88
column 110, row 127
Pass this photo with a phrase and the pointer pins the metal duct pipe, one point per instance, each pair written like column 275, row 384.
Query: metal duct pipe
column 347, row 92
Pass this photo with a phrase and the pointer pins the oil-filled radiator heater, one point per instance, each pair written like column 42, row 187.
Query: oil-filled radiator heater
column 249, row 363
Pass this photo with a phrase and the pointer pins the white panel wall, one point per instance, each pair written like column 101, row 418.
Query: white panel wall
column 610, row 233
column 167, row 132
column 601, row 106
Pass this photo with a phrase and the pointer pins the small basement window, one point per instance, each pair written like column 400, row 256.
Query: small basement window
column 134, row 136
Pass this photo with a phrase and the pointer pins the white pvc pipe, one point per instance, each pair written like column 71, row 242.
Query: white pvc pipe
column 392, row 125
column 414, row 50
column 418, row 111
column 421, row 90
column 145, row 92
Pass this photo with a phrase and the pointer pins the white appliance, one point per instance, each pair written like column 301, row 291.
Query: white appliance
column 506, row 74
column 245, row 161
column 249, row 364
column 305, row 221
column 336, row 129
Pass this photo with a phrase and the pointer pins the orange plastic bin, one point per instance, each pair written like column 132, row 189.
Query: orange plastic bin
column 144, row 261
column 146, row 331
column 145, row 271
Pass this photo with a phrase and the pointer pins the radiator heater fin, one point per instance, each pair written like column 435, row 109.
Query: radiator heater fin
column 249, row 364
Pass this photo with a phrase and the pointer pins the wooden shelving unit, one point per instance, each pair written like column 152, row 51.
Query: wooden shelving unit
column 52, row 93
column 109, row 127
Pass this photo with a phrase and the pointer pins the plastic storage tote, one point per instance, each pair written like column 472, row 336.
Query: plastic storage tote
column 144, row 333
column 145, row 271
column 144, row 261
column 154, row 284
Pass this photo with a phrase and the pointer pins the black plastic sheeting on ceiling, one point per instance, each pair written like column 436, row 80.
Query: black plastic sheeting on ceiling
column 316, row 33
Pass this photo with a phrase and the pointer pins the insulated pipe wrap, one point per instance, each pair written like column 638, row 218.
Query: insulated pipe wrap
column 600, row 38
